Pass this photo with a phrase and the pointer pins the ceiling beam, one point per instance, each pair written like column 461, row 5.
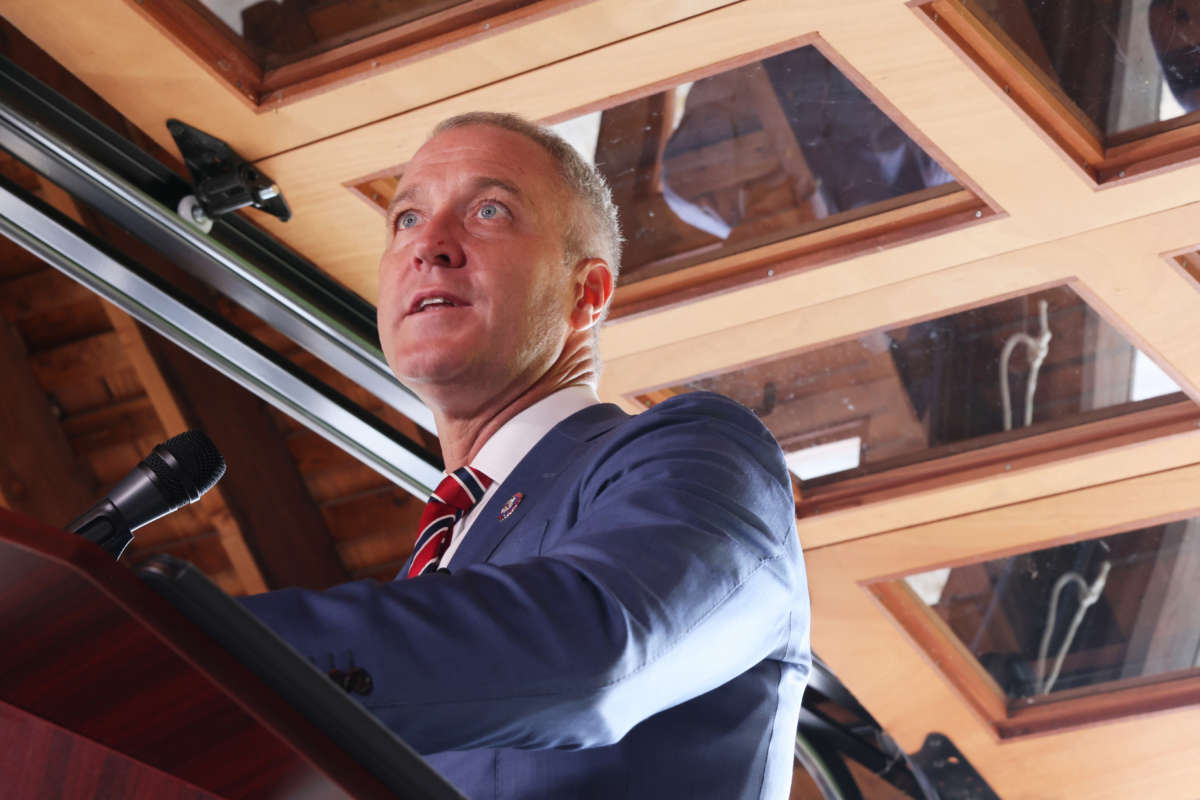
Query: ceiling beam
column 39, row 473
column 272, row 515
column 132, row 340
column 271, row 529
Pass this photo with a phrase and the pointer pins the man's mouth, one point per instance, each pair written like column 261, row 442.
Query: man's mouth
column 433, row 302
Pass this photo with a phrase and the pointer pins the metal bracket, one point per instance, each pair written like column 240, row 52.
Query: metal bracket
column 949, row 771
column 223, row 181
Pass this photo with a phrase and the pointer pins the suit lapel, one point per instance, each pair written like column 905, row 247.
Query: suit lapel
column 533, row 478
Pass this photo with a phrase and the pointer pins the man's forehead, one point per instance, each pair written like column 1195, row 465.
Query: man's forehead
column 479, row 154
column 472, row 185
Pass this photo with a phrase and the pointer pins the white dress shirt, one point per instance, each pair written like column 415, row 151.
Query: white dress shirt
column 501, row 453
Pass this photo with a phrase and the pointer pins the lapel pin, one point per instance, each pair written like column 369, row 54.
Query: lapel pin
column 511, row 505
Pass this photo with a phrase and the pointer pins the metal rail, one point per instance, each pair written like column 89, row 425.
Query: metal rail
column 92, row 163
column 63, row 245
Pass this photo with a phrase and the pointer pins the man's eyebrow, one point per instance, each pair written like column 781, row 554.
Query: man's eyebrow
column 402, row 197
column 484, row 182
column 480, row 184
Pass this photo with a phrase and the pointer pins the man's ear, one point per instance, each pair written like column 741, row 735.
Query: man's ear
column 593, row 291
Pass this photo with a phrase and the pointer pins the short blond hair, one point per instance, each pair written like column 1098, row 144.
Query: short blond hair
column 594, row 230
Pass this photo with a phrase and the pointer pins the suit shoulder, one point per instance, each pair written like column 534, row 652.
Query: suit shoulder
column 702, row 421
column 711, row 405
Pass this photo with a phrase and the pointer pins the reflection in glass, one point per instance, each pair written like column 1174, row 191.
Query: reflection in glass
column 750, row 156
column 980, row 377
column 283, row 31
column 1079, row 615
column 1124, row 63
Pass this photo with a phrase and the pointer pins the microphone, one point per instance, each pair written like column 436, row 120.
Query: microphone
column 175, row 473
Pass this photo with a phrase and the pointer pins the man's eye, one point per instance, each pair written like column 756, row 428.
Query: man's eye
column 490, row 210
column 407, row 219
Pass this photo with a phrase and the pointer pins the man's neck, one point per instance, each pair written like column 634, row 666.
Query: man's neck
column 462, row 439
column 462, row 436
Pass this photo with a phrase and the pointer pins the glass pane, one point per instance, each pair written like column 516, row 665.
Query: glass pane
column 750, row 156
column 968, row 380
column 1080, row 615
column 283, row 31
column 1125, row 63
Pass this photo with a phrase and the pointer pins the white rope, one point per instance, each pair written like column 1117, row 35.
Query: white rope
column 1038, row 348
column 1089, row 595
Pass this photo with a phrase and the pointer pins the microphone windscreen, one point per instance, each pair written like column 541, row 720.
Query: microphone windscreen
column 199, row 466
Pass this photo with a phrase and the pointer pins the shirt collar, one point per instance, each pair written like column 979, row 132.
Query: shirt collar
column 502, row 452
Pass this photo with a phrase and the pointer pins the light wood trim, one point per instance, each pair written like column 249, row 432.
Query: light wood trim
column 1010, row 720
column 1110, row 428
column 1105, row 159
column 228, row 57
column 199, row 33
column 817, row 326
column 125, row 56
column 832, row 239
column 1020, row 527
column 1150, row 155
column 999, row 489
column 333, row 228
column 1112, row 759
column 1124, row 698
column 1016, row 75
column 944, row 650
column 1143, row 294
column 443, row 32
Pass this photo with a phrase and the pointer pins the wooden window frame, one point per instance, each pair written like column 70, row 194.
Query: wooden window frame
column 208, row 39
column 1065, row 710
column 1011, row 451
column 886, row 224
column 1001, row 453
column 1105, row 160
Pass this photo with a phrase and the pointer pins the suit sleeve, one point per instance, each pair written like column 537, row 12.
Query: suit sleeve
column 682, row 571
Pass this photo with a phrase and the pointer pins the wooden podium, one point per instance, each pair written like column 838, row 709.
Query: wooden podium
column 107, row 691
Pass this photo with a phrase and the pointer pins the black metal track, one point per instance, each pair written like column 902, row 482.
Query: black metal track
column 93, row 163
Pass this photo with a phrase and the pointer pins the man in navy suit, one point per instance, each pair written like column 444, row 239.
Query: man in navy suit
column 623, row 613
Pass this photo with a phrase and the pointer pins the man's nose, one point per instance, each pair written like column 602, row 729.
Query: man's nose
column 437, row 246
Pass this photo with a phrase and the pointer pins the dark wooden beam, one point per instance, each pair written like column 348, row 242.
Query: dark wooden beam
column 279, row 521
column 38, row 292
column 39, row 474
column 272, row 530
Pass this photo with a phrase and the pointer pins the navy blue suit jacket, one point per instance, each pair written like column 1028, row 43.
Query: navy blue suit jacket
column 637, row 628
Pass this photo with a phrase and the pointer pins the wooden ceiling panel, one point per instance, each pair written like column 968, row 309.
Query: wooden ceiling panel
column 912, row 74
column 1122, row 261
column 1116, row 759
column 1119, row 271
column 1001, row 488
column 125, row 57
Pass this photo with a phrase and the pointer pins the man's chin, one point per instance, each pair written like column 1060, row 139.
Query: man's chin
column 429, row 370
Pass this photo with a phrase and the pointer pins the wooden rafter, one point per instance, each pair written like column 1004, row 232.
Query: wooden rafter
column 39, row 474
column 131, row 339
column 272, row 531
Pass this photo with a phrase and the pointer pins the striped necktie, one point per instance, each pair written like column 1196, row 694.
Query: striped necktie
column 453, row 498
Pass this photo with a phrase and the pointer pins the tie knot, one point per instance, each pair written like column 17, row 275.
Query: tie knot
column 453, row 498
column 461, row 489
